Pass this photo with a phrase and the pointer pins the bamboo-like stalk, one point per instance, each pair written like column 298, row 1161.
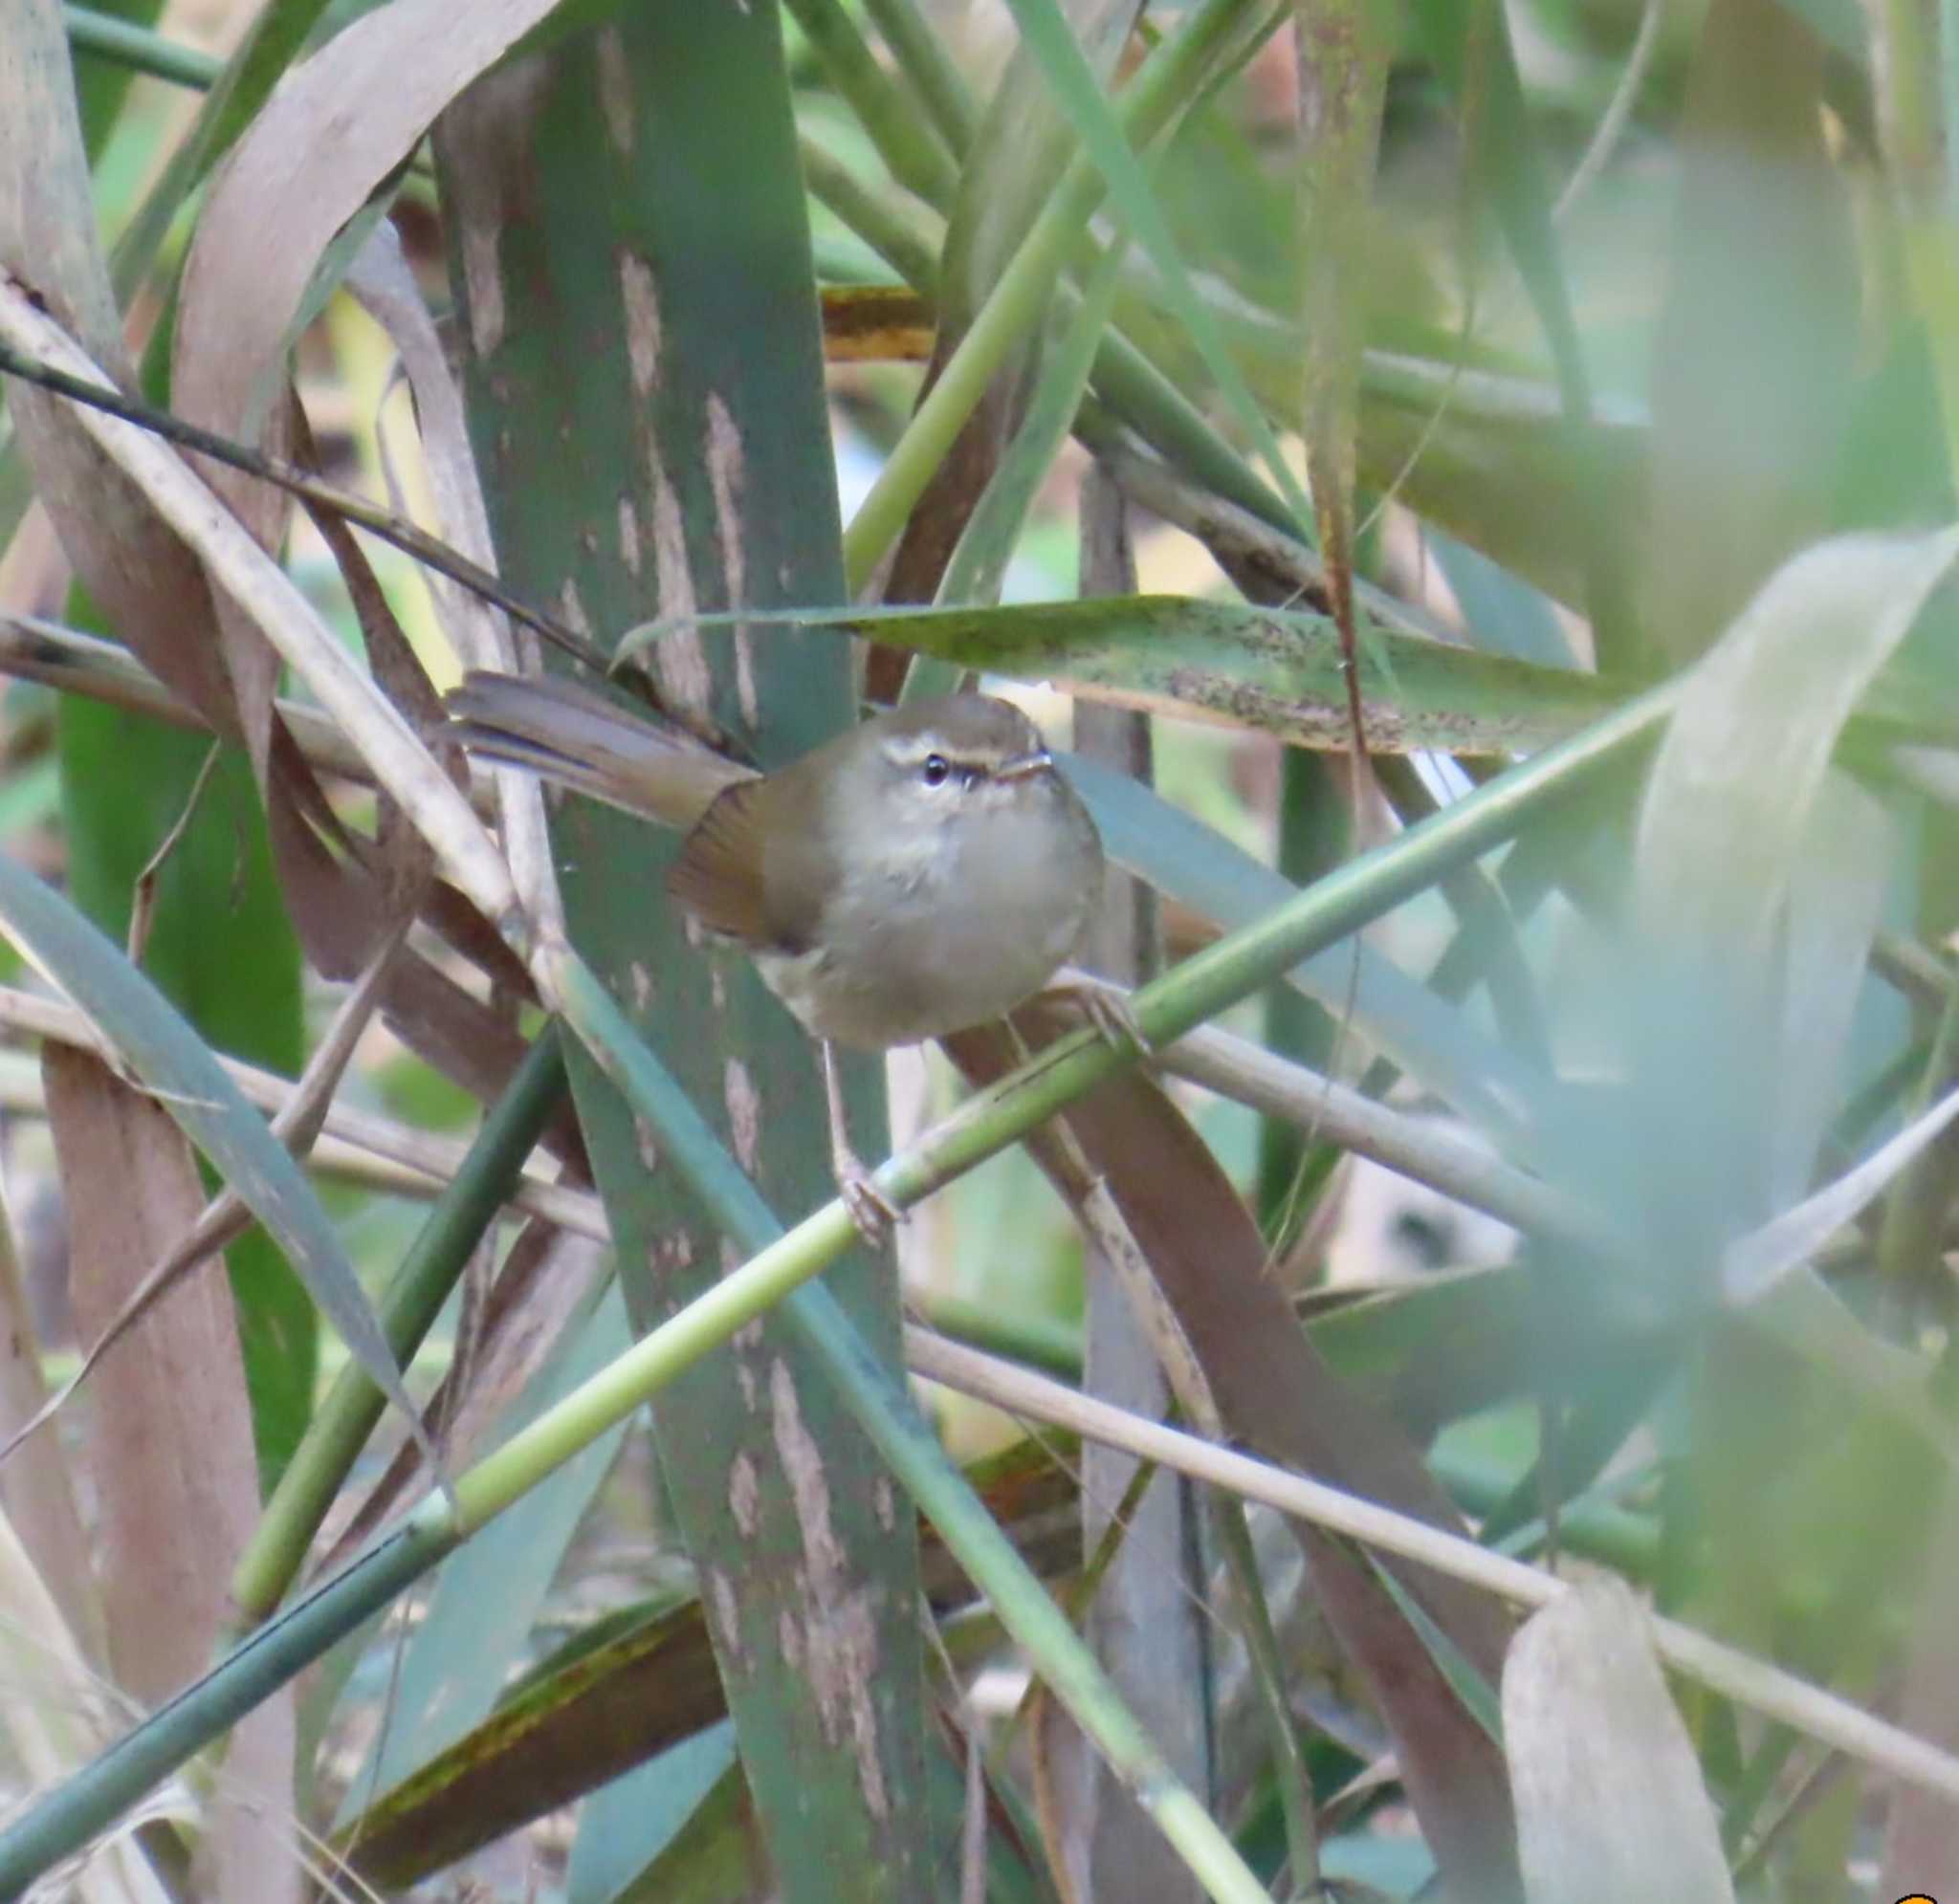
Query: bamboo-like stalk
column 1752, row 1682
column 343, row 1421
column 918, row 156
column 924, row 62
column 1021, row 293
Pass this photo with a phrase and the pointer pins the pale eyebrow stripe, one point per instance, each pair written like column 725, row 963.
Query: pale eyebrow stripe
column 914, row 750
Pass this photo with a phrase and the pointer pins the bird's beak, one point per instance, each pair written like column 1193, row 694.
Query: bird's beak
column 1023, row 766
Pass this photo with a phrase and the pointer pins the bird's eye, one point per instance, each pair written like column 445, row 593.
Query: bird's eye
column 1430, row 1240
column 938, row 770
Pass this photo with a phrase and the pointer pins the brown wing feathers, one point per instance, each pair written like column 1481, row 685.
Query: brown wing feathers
column 719, row 876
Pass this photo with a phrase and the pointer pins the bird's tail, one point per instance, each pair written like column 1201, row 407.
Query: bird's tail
column 581, row 739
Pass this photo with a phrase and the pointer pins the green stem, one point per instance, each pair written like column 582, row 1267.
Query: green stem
column 912, row 148
column 922, row 58
column 1144, row 396
column 1167, row 78
column 888, row 229
column 142, row 50
column 78, row 1810
column 342, row 1423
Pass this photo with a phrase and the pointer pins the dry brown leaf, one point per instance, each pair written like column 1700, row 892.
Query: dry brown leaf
column 35, row 1494
column 169, row 1429
column 168, row 1442
column 338, row 126
column 1922, row 1836
column 136, row 571
column 1279, row 1399
column 143, row 577
column 1609, row 1804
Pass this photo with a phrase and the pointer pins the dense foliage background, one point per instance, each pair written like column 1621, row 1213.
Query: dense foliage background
column 1471, row 1416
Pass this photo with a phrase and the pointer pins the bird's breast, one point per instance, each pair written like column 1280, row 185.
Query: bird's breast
column 943, row 927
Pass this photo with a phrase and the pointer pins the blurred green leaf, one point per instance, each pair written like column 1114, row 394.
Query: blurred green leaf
column 634, row 1819
column 1472, row 54
column 1428, row 1038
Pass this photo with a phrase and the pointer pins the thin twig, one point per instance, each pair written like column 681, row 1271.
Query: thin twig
column 1750, row 1682
column 142, row 904
column 425, row 548
column 1614, row 125
column 421, row 1162
column 225, row 1217
column 33, row 649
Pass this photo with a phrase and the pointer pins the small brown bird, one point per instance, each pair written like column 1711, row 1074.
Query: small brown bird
column 925, row 871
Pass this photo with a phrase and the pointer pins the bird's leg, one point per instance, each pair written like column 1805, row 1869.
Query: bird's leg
column 871, row 1210
column 1103, row 1002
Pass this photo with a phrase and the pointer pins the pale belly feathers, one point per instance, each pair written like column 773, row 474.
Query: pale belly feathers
column 945, row 928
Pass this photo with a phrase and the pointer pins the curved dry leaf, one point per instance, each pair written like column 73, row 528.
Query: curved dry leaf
column 1609, row 1802
column 332, row 132
column 169, row 1444
column 337, row 126
column 137, row 572
column 1276, row 1396
column 1736, row 778
column 480, row 635
column 1736, row 803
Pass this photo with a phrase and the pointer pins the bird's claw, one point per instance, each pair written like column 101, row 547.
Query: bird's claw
column 872, row 1212
column 1104, row 1005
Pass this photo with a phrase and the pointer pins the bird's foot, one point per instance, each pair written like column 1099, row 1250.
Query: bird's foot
column 874, row 1213
column 1104, row 1003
